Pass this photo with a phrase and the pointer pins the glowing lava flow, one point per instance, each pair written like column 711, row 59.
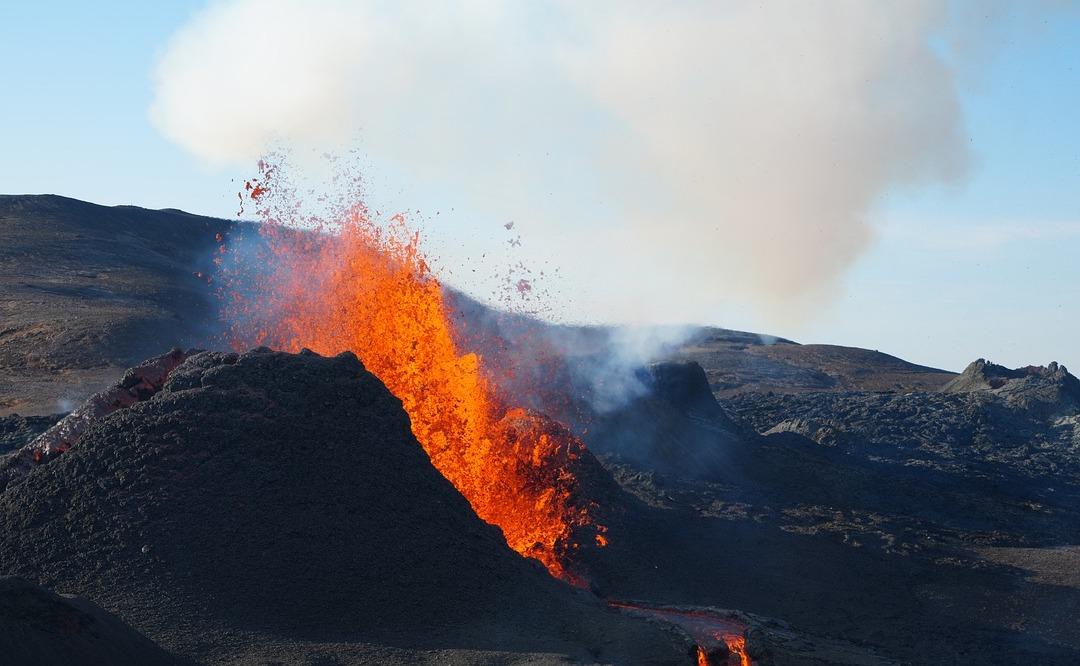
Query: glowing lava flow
column 702, row 657
column 361, row 286
column 709, row 629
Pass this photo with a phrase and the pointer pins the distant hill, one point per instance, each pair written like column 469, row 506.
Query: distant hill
column 736, row 362
column 88, row 290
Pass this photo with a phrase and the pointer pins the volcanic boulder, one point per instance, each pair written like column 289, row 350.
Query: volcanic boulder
column 279, row 499
column 1044, row 390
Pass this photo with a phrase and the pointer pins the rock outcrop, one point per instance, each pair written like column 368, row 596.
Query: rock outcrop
column 1047, row 390
column 673, row 426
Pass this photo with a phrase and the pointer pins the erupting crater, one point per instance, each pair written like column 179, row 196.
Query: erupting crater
column 354, row 284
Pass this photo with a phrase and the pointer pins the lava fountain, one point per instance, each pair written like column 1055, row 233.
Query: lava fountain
column 352, row 283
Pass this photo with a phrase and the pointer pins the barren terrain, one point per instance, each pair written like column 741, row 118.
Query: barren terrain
column 849, row 506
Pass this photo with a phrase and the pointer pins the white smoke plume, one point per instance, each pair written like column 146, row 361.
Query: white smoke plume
column 674, row 158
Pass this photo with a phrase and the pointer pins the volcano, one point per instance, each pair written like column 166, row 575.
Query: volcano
column 832, row 504
column 270, row 505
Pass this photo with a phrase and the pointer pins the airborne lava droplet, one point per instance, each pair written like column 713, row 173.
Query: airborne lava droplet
column 355, row 284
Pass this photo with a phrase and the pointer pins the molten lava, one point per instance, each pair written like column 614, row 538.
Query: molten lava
column 712, row 631
column 702, row 657
column 357, row 285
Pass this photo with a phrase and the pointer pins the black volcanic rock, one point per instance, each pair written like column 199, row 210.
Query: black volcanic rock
column 1046, row 389
column 39, row 628
column 280, row 500
column 18, row 431
column 672, row 426
column 684, row 384
column 979, row 434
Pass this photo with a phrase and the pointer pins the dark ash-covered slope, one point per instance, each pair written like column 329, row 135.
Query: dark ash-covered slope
column 40, row 628
column 277, row 505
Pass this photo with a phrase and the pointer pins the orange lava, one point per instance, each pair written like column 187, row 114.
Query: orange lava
column 358, row 285
column 708, row 629
column 702, row 657
column 736, row 645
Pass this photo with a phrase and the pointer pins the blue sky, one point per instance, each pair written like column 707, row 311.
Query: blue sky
column 987, row 267
column 77, row 85
column 990, row 267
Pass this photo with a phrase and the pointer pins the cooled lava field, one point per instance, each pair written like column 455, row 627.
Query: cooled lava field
column 168, row 495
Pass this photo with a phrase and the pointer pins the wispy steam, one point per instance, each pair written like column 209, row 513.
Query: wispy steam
column 672, row 157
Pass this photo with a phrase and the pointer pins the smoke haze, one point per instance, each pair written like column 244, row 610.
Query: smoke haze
column 689, row 156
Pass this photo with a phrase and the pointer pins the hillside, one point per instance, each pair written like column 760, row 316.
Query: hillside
column 87, row 291
column 736, row 362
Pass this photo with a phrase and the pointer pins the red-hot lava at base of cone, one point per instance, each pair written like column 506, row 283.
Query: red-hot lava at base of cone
column 709, row 630
column 357, row 285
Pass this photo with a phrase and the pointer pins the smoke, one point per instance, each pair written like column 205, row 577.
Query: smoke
column 673, row 158
column 614, row 378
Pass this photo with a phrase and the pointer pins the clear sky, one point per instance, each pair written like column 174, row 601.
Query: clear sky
column 985, row 266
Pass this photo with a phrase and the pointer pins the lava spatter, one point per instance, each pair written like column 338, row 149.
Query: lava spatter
column 353, row 283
